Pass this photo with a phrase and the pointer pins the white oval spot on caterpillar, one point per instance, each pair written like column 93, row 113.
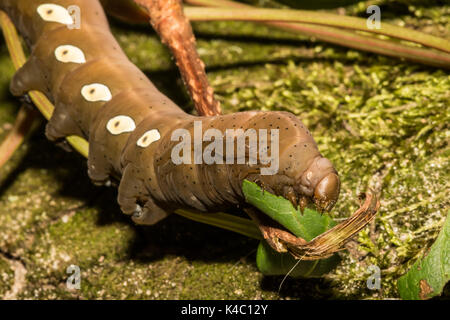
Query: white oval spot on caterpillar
column 148, row 138
column 54, row 13
column 120, row 124
column 96, row 92
column 68, row 53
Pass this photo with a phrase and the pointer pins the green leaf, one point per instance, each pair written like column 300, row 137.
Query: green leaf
column 428, row 276
column 307, row 226
column 270, row 262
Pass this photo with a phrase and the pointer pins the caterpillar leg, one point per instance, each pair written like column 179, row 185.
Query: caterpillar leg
column 61, row 125
column 28, row 77
column 150, row 214
column 99, row 168
column 130, row 190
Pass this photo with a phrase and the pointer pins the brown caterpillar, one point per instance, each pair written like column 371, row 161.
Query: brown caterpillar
column 101, row 96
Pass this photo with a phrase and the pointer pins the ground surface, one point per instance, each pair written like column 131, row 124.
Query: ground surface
column 382, row 122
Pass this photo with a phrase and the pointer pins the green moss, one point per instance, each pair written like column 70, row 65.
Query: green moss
column 6, row 276
column 382, row 123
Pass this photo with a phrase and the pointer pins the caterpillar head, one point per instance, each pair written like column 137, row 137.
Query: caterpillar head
column 303, row 175
column 320, row 182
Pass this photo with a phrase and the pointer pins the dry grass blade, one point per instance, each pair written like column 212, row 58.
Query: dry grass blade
column 345, row 37
column 334, row 239
column 322, row 246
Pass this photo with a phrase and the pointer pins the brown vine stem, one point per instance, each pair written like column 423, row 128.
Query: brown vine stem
column 23, row 125
column 167, row 18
